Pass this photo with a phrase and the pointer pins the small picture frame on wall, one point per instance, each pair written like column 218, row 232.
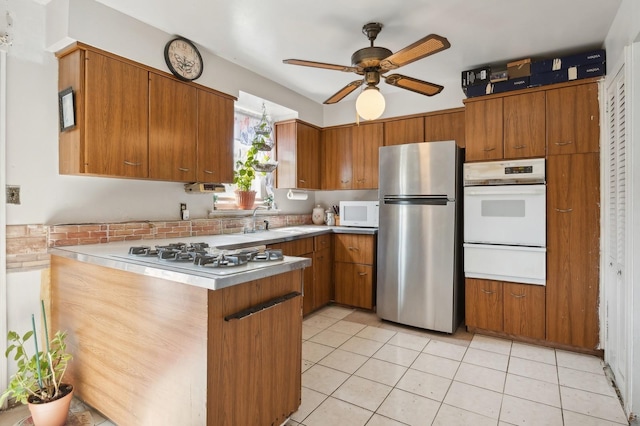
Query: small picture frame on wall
column 67, row 109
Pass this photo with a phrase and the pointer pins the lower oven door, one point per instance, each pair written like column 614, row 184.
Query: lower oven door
column 507, row 214
column 505, row 263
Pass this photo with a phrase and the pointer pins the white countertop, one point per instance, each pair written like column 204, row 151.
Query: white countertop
column 114, row 255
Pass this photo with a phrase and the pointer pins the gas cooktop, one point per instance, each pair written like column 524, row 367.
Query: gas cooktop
column 200, row 257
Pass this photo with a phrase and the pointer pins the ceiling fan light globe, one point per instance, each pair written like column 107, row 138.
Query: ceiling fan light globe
column 370, row 103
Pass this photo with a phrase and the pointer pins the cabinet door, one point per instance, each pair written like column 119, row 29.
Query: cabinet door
column 322, row 274
column 524, row 310
column 573, row 120
column 484, row 130
column 115, row 138
column 354, row 248
column 483, row 304
column 336, row 156
column 307, row 157
column 524, row 125
column 573, row 233
column 354, row 285
column 172, row 129
column 407, row 130
column 367, row 139
column 215, row 138
column 445, row 127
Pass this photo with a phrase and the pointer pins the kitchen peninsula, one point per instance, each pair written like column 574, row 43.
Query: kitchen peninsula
column 154, row 344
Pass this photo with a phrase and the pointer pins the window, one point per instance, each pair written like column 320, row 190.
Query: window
column 244, row 132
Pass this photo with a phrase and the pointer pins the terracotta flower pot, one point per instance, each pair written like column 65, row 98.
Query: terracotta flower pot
column 52, row 413
column 245, row 199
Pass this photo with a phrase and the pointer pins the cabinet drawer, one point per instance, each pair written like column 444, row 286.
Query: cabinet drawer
column 354, row 285
column 322, row 242
column 354, row 248
column 295, row 247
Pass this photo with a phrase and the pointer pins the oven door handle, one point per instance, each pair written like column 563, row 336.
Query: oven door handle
column 521, row 191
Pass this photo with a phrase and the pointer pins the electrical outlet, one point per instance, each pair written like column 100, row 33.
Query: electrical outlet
column 13, row 194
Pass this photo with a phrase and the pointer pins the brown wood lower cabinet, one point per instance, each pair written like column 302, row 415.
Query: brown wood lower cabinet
column 317, row 278
column 165, row 354
column 514, row 309
column 354, row 284
column 354, row 273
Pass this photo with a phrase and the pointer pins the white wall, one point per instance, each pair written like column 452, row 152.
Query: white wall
column 624, row 31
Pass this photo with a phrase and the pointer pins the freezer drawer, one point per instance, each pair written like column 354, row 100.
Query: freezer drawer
column 505, row 263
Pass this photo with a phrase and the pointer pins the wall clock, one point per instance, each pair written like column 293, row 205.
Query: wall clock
column 183, row 59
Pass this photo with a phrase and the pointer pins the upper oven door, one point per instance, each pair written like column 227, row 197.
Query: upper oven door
column 509, row 214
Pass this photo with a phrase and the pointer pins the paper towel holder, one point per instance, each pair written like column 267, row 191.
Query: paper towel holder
column 297, row 195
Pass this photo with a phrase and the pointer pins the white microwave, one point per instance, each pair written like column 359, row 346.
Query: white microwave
column 359, row 213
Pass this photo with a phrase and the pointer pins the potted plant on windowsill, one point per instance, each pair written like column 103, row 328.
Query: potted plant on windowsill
column 243, row 177
column 39, row 379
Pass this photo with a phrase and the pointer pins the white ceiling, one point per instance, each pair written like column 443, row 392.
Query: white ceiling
column 259, row 34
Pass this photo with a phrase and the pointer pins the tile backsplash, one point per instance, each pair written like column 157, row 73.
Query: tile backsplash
column 27, row 245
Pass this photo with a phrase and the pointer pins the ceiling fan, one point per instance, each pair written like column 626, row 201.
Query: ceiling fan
column 374, row 61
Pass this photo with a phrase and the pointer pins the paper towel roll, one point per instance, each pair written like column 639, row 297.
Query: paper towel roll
column 297, row 195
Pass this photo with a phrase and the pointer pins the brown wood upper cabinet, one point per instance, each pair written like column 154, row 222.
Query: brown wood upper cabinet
column 336, row 158
column 172, row 129
column 367, row 139
column 506, row 128
column 215, row 138
column 298, row 154
column 110, row 137
column 445, row 127
column 133, row 121
column 407, row 130
column 573, row 120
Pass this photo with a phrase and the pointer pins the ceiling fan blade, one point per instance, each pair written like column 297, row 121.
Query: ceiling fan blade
column 320, row 65
column 422, row 48
column 413, row 84
column 340, row 94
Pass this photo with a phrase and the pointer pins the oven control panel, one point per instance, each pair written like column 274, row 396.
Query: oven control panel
column 504, row 172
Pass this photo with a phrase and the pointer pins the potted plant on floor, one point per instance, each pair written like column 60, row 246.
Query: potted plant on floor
column 39, row 379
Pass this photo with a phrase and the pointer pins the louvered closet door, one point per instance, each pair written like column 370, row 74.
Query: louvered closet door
column 618, row 289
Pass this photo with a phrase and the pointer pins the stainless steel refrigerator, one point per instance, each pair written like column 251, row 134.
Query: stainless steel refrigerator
column 420, row 279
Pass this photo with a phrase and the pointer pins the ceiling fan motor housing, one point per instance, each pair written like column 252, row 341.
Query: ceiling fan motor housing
column 369, row 57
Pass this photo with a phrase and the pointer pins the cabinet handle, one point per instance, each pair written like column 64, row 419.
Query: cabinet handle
column 354, row 248
column 564, row 143
column 129, row 163
column 564, row 210
column 302, row 181
column 488, row 149
column 182, row 169
column 344, row 181
column 261, row 306
column 362, row 274
column 620, row 272
column 209, row 172
column 486, row 291
column 360, row 180
column 519, row 296
column 519, row 147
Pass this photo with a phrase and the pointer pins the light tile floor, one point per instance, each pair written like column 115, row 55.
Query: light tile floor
column 359, row 370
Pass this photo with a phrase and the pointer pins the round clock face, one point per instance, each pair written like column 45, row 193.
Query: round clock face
column 183, row 59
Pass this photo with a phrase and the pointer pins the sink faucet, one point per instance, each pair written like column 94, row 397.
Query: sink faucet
column 254, row 217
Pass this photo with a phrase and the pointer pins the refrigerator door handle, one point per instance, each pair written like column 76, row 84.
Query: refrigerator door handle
column 432, row 200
